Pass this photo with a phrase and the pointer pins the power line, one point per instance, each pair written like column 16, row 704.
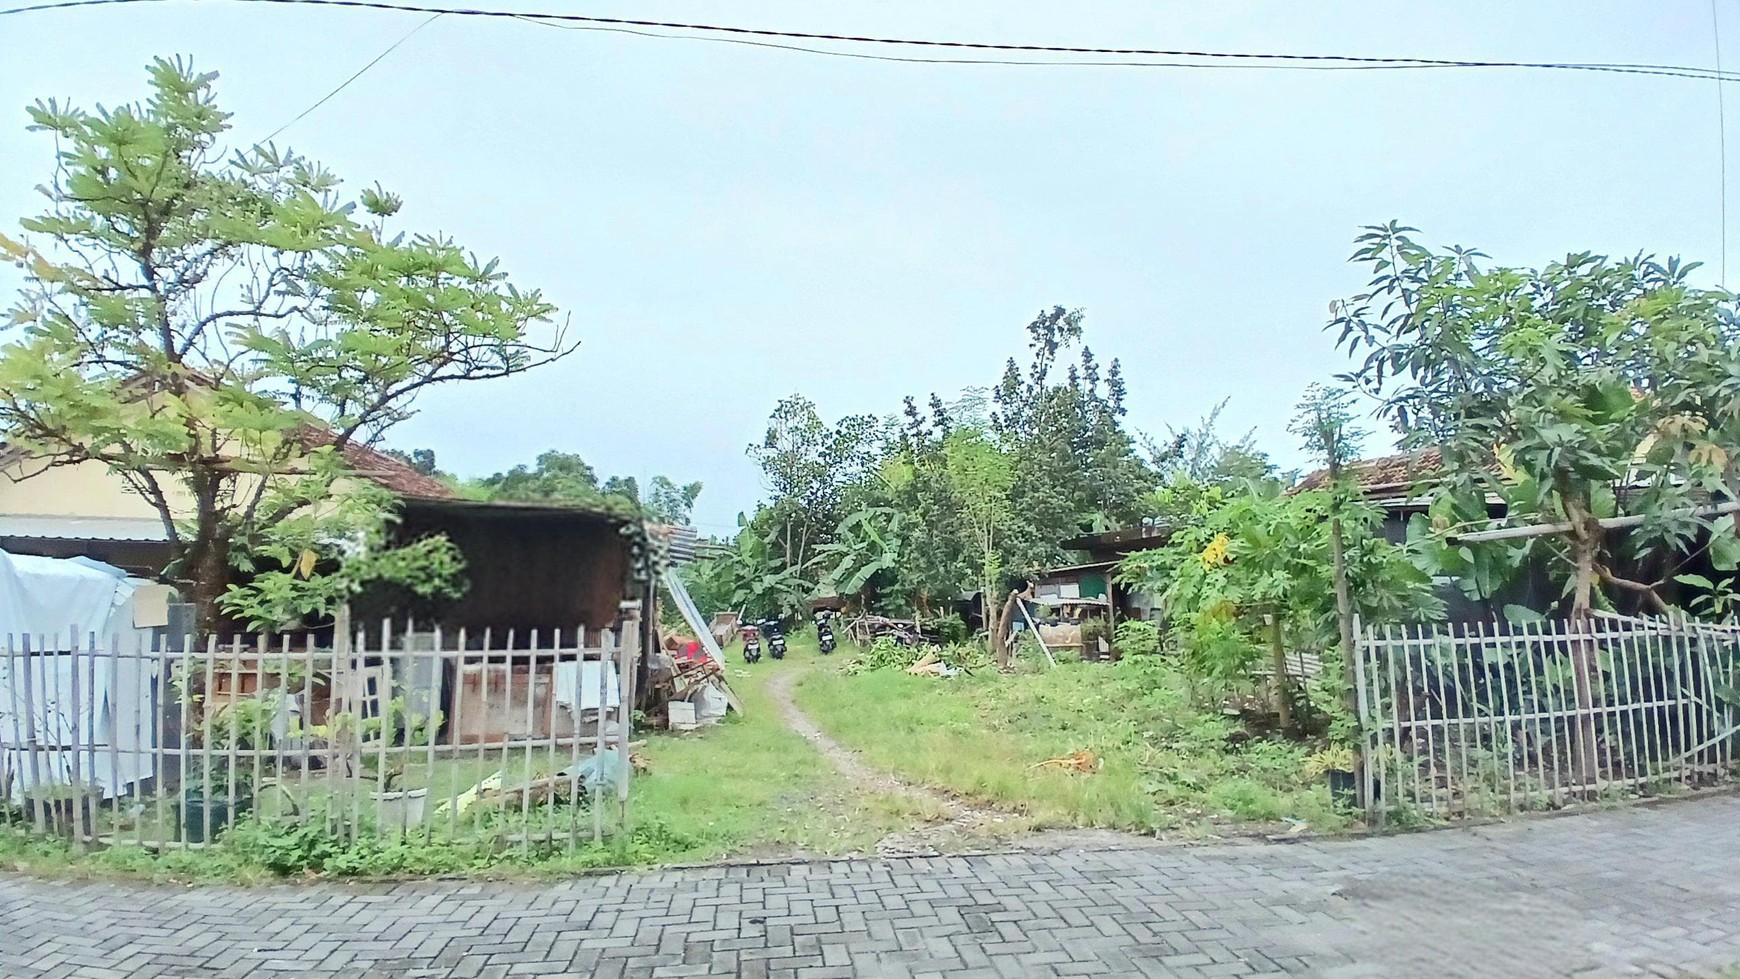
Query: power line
column 359, row 73
column 1199, row 59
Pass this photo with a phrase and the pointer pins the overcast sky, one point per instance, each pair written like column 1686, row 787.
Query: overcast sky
column 728, row 224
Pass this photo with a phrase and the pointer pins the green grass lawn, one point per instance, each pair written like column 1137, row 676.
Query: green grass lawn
column 752, row 786
column 1165, row 764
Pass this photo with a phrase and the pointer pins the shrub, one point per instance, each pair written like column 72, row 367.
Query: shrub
column 1136, row 637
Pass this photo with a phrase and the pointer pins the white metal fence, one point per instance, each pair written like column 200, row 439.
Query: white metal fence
column 1491, row 718
column 521, row 738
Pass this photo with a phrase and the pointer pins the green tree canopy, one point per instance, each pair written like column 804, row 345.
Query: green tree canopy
column 188, row 312
column 1587, row 389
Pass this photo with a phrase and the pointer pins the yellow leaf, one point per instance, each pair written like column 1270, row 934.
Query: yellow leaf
column 1709, row 454
column 305, row 564
column 1506, row 463
column 1215, row 553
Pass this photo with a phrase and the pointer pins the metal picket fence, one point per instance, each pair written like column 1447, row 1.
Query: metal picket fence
column 1490, row 718
column 520, row 738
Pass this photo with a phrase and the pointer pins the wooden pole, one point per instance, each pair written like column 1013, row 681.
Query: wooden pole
column 1605, row 523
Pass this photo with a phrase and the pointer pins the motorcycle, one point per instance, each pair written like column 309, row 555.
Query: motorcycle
column 775, row 633
column 825, row 631
column 751, row 644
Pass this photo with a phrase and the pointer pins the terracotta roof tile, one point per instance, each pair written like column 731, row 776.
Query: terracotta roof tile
column 380, row 468
column 1383, row 473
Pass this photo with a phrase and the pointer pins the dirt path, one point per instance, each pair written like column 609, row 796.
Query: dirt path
column 955, row 825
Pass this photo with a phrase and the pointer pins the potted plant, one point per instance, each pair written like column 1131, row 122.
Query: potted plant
column 399, row 806
column 399, row 727
column 212, row 799
column 1336, row 763
column 221, row 788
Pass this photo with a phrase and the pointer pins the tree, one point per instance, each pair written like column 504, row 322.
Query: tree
column 1249, row 568
column 1589, row 389
column 808, row 466
column 669, row 503
column 1075, row 466
column 188, row 319
column 554, row 477
column 422, row 460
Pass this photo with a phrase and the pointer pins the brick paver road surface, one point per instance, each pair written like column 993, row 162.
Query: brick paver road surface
column 1636, row 892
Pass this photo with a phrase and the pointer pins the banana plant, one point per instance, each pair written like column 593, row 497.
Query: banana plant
column 866, row 543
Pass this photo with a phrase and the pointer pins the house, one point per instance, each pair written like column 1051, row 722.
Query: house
column 530, row 567
column 1093, row 582
column 1401, row 485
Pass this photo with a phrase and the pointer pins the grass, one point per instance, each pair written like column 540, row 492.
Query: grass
column 749, row 787
column 1165, row 763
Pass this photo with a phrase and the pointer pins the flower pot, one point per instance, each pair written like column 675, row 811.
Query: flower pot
column 203, row 820
column 401, row 809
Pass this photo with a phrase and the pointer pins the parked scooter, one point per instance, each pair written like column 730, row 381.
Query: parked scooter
column 751, row 644
column 775, row 633
column 825, row 630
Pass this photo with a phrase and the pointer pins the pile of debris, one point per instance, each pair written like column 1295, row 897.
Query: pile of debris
column 866, row 629
column 687, row 687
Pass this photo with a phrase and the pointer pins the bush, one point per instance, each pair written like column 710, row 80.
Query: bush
column 1136, row 637
column 951, row 628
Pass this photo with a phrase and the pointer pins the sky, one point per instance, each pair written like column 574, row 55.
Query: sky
column 725, row 225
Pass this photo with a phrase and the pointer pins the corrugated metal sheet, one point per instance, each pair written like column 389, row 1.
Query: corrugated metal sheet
column 81, row 528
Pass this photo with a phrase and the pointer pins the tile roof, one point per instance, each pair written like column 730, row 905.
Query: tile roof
column 378, row 467
column 1383, row 474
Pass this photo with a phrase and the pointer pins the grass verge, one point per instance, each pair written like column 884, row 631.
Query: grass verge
column 1165, row 763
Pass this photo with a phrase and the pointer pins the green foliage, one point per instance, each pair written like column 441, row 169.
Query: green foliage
column 1239, row 559
column 1137, row 637
column 1589, row 388
column 666, row 502
column 564, row 477
column 1075, row 466
column 910, row 513
column 215, row 330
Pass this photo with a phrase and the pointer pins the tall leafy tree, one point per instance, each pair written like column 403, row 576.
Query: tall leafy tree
column 667, row 502
column 188, row 315
column 553, row 477
column 1588, row 389
column 1076, row 465
column 809, row 467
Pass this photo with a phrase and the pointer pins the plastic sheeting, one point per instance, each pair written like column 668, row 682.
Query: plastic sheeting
column 53, row 701
column 571, row 672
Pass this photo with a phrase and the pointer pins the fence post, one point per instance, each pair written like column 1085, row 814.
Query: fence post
column 1369, row 732
column 628, row 656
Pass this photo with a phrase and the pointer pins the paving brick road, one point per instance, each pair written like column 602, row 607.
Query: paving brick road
column 1634, row 892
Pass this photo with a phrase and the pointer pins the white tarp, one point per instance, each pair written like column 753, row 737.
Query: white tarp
column 586, row 675
column 53, row 701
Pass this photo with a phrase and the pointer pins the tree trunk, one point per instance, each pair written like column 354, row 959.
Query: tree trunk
column 1000, row 638
column 1278, row 663
column 1344, row 620
column 1585, row 542
column 209, row 571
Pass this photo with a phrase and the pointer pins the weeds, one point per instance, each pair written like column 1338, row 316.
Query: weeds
column 1165, row 762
